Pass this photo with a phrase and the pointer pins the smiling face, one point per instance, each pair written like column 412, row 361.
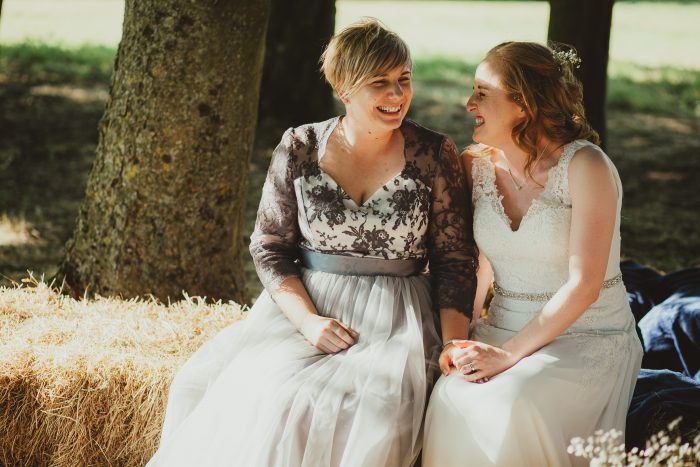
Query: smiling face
column 495, row 112
column 383, row 100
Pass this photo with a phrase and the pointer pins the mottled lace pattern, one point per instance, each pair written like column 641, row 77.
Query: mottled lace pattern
column 423, row 211
column 533, row 260
column 273, row 244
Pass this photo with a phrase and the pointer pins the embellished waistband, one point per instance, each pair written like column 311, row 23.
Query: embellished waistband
column 545, row 296
column 360, row 266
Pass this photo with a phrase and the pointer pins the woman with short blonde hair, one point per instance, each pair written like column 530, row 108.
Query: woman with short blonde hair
column 333, row 364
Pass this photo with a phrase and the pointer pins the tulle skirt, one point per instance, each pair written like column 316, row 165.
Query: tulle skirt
column 258, row 394
column 527, row 415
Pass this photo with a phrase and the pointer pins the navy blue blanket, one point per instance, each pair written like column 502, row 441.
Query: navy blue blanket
column 667, row 310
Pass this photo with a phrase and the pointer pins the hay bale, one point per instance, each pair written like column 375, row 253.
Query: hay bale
column 85, row 382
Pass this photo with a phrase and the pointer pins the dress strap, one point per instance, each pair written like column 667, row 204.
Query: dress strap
column 559, row 177
column 483, row 178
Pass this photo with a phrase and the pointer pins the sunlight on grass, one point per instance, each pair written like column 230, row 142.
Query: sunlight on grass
column 72, row 93
column 464, row 30
column 17, row 232
column 68, row 22
column 652, row 34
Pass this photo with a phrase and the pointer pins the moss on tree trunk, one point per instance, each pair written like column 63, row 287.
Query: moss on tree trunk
column 164, row 203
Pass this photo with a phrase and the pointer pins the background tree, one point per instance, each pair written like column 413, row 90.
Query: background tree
column 164, row 202
column 586, row 26
column 293, row 90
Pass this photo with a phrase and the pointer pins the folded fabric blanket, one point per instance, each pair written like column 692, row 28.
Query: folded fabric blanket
column 660, row 397
column 667, row 310
column 646, row 287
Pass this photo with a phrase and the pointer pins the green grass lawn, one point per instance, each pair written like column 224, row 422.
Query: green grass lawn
column 652, row 34
column 52, row 98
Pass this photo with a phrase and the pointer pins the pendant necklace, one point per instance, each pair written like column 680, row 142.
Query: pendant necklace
column 520, row 186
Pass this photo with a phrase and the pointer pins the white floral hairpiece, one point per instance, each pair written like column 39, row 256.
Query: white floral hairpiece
column 564, row 57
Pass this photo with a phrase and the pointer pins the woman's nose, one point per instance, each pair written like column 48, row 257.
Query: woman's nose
column 397, row 89
column 471, row 107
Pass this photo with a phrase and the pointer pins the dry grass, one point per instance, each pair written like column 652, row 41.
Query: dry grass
column 85, row 382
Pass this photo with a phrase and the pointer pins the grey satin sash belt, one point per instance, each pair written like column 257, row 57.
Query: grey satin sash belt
column 360, row 266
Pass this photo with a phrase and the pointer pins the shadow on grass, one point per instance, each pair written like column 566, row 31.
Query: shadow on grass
column 51, row 101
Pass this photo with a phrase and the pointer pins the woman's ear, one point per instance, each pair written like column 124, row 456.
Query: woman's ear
column 342, row 97
column 520, row 102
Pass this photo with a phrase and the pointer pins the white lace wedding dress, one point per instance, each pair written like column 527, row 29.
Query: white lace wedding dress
column 580, row 382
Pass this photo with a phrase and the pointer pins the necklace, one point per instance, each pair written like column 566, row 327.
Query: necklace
column 520, row 186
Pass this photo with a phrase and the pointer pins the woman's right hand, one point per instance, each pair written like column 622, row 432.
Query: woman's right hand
column 327, row 334
column 447, row 357
column 453, row 356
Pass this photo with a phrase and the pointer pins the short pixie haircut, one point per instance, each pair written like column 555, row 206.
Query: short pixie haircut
column 361, row 51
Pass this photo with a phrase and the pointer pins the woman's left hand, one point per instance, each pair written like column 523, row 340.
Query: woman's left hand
column 481, row 361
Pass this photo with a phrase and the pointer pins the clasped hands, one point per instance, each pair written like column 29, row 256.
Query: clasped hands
column 327, row 334
column 477, row 361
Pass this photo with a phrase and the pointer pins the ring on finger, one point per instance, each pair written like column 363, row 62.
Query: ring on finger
column 472, row 368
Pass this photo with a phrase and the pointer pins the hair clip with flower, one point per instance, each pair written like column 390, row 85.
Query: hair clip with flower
column 567, row 57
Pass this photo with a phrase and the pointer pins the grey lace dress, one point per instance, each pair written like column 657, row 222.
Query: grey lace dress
column 259, row 394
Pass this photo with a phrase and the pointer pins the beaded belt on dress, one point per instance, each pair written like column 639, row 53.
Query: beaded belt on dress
column 360, row 265
column 545, row 296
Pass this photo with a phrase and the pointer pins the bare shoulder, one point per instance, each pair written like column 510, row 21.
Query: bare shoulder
column 589, row 156
column 591, row 169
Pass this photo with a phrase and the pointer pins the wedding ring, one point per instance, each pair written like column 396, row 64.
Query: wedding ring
column 472, row 368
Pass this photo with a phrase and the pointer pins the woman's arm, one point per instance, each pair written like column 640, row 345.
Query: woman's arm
column 452, row 252
column 452, row 325
column 484, row 277
column 274, row 247
column 327, row 334
column 594, row 195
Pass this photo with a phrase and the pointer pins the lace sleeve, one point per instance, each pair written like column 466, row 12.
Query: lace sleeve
column 452, row 253
column 274, row 242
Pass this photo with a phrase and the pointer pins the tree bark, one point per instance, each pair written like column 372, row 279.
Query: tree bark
column 164, row 202
column 293, row 90
column 586, row 25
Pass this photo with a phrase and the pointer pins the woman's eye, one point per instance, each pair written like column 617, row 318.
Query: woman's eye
column 381, row 82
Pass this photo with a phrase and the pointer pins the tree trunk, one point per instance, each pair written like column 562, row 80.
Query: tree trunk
column 586, row 26
column 164, row 203
column 293, row 90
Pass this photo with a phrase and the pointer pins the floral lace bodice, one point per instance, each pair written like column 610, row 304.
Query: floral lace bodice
column 423, row 211
column 535, row 257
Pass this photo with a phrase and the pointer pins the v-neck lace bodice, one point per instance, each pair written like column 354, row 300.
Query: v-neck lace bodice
column 420, row 213
column 396, row 179
column 535, row 257
column 553, row 194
